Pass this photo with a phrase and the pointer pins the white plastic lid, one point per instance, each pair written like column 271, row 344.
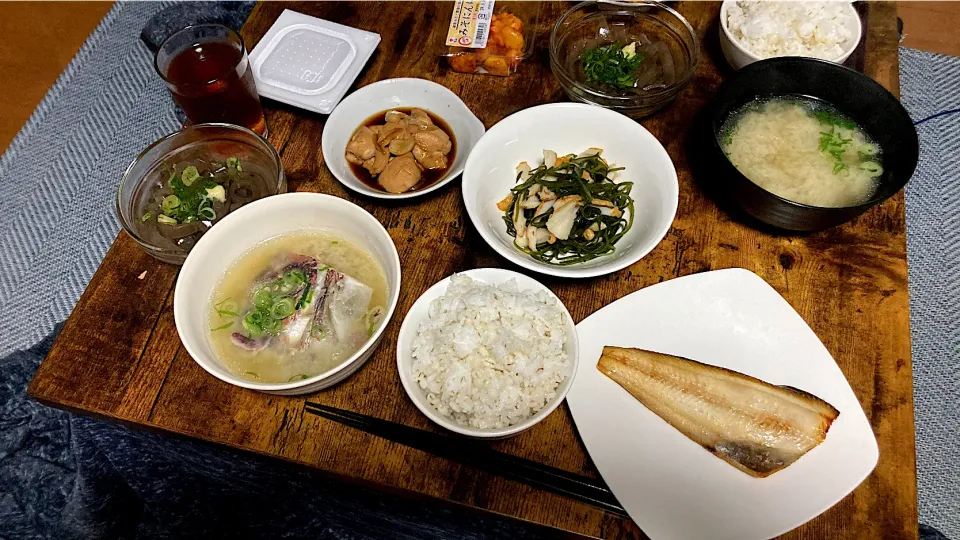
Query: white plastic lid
column 309, row 62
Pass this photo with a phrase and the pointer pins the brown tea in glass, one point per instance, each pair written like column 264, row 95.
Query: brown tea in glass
column 207, row 70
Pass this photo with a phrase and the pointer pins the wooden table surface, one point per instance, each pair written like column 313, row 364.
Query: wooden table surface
column 119, row 357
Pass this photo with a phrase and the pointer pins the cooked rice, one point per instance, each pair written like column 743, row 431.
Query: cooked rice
column 769, row 28
column 490, row 356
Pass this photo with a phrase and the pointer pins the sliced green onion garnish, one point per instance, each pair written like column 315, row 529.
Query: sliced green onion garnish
column 208, row 214
column 872, row 168
column 253, row 323
column 297, row 276
column 305, row 297
column 297, row 378
column 372, row 317
column 170, row 203
column 226, row 308
column 223, row 327
column 251, row 373
column 166, row 220
column 868, row 150
column 271, row 325
column 190, row 175
column 282, row 309
column 317, row 332
column 146, row 216
column 263, row 299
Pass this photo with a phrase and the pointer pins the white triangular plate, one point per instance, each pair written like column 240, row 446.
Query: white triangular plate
column 671, row 486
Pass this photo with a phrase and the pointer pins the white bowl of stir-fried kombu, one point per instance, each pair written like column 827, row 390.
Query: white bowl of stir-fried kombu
column 222, row 252
column 186, row 182
column 570, row 190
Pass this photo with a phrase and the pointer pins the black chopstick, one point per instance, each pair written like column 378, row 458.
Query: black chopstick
column 469, row 452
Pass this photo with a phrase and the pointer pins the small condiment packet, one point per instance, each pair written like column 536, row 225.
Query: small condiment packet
column 309, row 62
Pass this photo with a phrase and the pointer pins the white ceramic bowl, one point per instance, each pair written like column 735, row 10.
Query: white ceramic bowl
column 251, row 225
column 389, row 94
column 419, row 313
column 572, row 128
column 738, row 56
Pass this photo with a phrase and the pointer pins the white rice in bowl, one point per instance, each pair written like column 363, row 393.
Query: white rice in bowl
column 490, row 356
column 769, row 28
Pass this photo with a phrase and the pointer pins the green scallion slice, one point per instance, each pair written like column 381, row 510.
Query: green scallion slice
column 190, row 175
column 872, row 168
column 169, row 204
column 282, row 309
column 263, row 300
column 297, row 276
column 253, row 323
column 226, row 308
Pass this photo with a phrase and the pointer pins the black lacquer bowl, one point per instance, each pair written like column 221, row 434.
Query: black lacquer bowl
column 871, row 106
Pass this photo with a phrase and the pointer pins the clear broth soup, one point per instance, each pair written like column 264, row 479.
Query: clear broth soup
column 295, row 306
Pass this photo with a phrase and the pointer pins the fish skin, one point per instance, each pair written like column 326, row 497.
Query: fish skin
column 330, row 308
column 330, row 281
column 338, row 309
column 755, row 426
column 249, row 344
column 285, row 264
column 295, row 331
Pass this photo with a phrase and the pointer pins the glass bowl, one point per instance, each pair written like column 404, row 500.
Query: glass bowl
column 208, row 147
column 603, row 22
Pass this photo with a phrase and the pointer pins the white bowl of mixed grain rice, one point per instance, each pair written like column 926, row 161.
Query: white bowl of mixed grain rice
column 492, row 342
column 754, row 30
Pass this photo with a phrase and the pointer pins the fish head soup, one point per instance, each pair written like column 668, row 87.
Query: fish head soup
column 803, row 150
column 296, row 306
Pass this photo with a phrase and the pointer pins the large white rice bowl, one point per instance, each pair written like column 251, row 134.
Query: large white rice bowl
column 487, row 352
column 753, row 30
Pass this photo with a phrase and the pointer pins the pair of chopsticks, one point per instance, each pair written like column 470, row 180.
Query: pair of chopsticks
column 471, row 453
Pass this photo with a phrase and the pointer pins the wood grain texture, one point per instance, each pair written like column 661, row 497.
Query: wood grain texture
column 931, row 26
column 37, row 41
column 123, row 360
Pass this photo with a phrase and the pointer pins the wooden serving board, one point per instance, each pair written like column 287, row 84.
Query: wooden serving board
column 119, row 356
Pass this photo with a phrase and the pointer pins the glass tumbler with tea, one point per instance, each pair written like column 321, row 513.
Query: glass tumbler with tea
column 206, row 68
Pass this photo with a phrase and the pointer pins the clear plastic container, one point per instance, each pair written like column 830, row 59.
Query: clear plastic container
column 488, row 37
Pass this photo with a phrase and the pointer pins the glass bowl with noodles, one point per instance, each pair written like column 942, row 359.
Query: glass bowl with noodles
column 632, row 57
column 183, row 184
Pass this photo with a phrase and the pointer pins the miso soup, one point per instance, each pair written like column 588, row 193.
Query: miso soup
column 803, row 150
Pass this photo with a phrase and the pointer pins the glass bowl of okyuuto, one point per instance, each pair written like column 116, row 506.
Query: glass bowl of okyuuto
column 805, row 144
column 632, row 57
column 289, row 294
column 186, row 182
